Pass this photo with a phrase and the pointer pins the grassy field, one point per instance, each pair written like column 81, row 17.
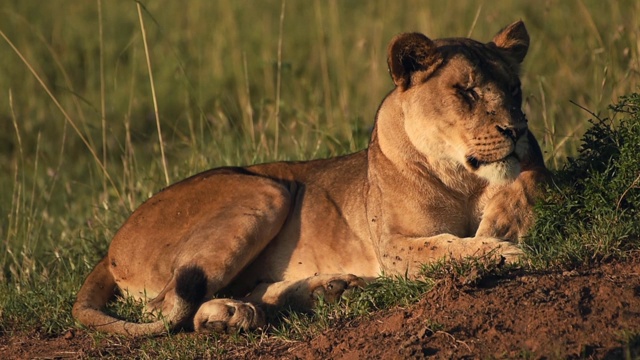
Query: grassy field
column 87, row 88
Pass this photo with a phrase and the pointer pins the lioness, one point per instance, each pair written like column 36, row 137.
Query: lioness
column 451, row 171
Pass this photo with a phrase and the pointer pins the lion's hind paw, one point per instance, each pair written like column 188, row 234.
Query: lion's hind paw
column 228, row 316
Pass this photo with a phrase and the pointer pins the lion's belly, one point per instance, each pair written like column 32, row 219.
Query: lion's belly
column 319, row 237
column 347, row 254
column 335, row 240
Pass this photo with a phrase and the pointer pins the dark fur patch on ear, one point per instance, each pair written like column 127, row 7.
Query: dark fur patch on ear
column 514, row 39
column 408, row 53
column 191, row 284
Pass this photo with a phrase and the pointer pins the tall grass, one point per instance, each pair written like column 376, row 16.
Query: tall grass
column 236, row 82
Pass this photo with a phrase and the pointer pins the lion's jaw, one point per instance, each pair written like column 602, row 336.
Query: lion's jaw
column 506, row 167
column 501, row 171
column 497, row 166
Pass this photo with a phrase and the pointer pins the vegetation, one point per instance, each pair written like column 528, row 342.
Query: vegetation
column 592, row 208
column 104, row 103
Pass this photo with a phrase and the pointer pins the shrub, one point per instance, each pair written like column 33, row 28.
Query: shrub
column 591, row 211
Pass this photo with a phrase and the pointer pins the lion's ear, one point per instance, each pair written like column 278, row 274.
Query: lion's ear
column 514, row 39
column 408, row 53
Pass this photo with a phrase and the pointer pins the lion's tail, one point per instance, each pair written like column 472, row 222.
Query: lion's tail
column 99, row 288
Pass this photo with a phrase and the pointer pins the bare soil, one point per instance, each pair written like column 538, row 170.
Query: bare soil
column 591, row 313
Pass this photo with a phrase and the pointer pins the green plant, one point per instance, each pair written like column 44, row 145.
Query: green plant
column 383, row 293
column 630, row 345
column 592, row 205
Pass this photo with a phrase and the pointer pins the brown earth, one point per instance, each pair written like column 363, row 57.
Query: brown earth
column 579, row 314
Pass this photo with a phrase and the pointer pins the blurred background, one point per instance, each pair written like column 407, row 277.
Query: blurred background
column 240, row 82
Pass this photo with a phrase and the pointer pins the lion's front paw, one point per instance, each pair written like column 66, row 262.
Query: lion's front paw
column 511, row 252
column 227, row 315
column 509, row 214
column 331, row 289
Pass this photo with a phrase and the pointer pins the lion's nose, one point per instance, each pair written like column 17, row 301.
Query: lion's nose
column 511, row 132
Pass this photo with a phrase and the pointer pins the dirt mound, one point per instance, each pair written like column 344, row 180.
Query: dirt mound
column 555, row 315
column 578, row 314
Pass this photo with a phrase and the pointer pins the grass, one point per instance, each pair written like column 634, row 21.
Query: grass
column 630, row 342
column 103, row 103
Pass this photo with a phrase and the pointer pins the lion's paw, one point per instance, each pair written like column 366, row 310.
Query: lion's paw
column 509, row 251
column 332, row 289
column 227, row 316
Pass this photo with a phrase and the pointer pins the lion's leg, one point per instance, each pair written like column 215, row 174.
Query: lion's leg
column 403, row 255
column 303, row 294
column 509, row 213
column 246, row 213
column 225, row 315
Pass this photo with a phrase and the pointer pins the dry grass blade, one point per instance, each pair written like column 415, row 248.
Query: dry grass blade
column 635, row 184
column 279, row 80
column 95, row 156
column 153, row 95
column 103, row 110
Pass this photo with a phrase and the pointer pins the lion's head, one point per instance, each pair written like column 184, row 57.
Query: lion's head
column 461, row 100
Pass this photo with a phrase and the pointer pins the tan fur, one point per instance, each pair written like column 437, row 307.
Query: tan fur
column 451, row 171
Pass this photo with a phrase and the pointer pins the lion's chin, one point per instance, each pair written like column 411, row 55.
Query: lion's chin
column 500, row 172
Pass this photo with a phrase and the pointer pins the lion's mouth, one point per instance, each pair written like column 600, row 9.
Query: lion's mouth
column 476, row 163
